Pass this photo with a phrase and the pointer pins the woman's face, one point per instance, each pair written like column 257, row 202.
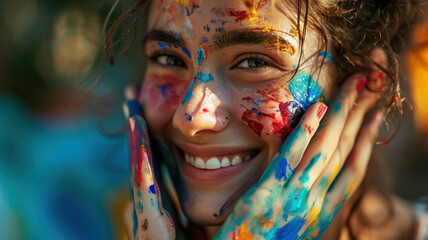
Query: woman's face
column 219, row 93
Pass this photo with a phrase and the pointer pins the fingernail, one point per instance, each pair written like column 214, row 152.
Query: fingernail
column 132, row 124
column 361, row 83
column 322, row 110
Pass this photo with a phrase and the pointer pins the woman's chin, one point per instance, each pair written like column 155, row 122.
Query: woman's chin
column 206, row 209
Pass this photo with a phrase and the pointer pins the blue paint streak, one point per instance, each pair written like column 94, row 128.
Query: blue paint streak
column 255, row 103
column 305, row 175
column 326, row 55
column 291, row 230
column 304, row 89
column 163, row 90
column 189, row 93
column 187, row 52
column 281, row 170
column 199, row 77
column 163, row 45
column 188, row 117
column 152, row 189
column 204, row 77
column 200, row 56
column 214, row 40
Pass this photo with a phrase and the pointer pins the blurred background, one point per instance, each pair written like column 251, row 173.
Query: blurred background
column 63, row 153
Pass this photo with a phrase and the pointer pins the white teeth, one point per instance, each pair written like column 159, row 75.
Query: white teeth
column 236, row 160
column 199, row 163
column 212, row 163
column 225, row 162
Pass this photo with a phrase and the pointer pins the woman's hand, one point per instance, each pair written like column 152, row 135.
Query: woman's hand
column 152, row 220
column 306, row 184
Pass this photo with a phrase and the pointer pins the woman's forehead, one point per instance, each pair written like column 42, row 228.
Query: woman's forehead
column 195, row 19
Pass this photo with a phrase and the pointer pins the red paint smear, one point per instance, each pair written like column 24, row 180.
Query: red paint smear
column 239, row 15
column 205, row 110
column 256, row 126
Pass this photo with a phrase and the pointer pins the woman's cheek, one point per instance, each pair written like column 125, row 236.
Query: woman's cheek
column 160, row 97
column 271, row 114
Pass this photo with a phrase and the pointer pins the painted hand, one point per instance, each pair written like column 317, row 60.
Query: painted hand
column 296, row 198
column 152, row 220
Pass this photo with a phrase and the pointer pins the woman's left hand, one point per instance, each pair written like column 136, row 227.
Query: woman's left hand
column 307, row 183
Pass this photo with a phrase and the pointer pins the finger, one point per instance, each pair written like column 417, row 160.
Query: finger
column 151, row 216
column 323, row 145
column 355, row 167
column 284, row 163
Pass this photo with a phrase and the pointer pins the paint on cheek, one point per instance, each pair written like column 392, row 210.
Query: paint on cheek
column 187, row 52
column 200, row 56
column 304, row 89
column 205, row 110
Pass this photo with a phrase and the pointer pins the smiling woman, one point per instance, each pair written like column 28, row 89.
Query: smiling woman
column 235, row 95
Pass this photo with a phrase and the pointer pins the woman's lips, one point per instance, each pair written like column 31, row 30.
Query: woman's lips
column 218, row 169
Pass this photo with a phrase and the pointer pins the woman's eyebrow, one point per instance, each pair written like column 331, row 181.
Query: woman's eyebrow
column 249, row 36
column 164, row 36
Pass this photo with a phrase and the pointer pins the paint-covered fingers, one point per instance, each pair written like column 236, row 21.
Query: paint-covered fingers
column 152, row 220
column 366, row 100
column 327, row 138
column 284, row 163
column 352, row 173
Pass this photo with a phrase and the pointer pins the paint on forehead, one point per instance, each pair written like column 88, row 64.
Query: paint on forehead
column 304, row 89
column 190, row 10
column 200, row 56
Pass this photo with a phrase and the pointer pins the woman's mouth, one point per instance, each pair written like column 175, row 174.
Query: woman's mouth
column 204, row 167
column 212, row 163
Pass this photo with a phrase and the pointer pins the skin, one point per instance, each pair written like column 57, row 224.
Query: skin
column 197, row 94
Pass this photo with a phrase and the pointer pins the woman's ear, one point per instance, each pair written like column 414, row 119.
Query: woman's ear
column 377, row 77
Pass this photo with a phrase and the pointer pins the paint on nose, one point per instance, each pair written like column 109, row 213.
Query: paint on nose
column 199, row 77
column 200, row 56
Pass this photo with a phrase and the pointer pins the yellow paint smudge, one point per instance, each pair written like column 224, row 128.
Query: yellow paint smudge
column 244, row 234
column 313, row 214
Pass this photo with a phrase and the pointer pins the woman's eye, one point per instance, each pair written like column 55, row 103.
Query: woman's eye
column 252, row 63
column 169, row 60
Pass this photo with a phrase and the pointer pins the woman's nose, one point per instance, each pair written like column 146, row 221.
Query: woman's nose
column 201, row 109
